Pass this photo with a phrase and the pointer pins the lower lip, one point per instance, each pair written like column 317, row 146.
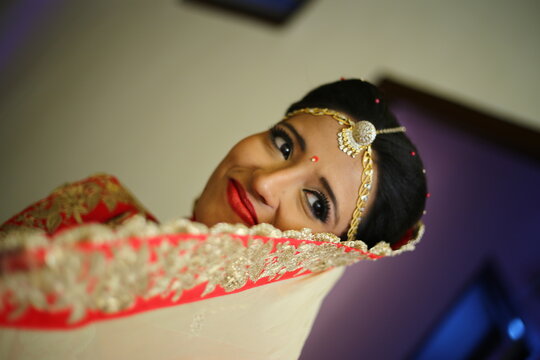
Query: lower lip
column 240, row 204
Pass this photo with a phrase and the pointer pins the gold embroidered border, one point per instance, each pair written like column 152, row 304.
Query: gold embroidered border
column 156, row 264
column 74, row 200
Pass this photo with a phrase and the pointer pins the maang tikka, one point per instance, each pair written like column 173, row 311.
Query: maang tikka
column 354, row 138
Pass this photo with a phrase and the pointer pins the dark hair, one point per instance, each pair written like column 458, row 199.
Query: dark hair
column 401, row 191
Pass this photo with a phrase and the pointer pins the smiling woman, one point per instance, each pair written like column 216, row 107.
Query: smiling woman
column 271, row 177
column 279, row 184
column 334, row 182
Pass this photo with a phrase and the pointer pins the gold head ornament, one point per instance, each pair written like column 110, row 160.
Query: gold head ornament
column 354, row 138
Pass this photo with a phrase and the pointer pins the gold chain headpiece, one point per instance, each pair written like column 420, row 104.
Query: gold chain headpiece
column 354, row 138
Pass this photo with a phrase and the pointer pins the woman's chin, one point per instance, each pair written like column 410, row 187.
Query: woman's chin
column 210, row 221
column 207, row 218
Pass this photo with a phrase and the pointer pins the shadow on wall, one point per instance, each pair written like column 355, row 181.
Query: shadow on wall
column 483, row 174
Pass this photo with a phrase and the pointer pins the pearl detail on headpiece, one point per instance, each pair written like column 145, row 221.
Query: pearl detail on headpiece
column 354, row 138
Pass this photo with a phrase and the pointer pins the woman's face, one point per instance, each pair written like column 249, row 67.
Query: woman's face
column 271, row 177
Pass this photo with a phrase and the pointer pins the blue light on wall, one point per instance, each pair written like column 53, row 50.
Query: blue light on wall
column 481, row 323
column 461, row 330
column 516, row 329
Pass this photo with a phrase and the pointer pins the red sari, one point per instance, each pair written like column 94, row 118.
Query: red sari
column 63, row 268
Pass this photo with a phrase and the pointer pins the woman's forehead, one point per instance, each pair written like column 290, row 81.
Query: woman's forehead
column 342, row 172
column 320, row 133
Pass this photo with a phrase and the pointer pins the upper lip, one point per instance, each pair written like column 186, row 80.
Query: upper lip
column 245, row 209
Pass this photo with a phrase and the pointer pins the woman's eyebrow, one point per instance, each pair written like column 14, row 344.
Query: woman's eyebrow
column 328, row 189
column 298, row 137
column 322, row 179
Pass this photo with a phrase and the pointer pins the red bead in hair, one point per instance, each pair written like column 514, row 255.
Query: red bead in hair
column 408, row 236
column 413, row 153
column 377, row 100
column 342, row 78
column 428, row 195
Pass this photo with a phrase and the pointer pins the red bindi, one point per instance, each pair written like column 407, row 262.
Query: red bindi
column 314, row 159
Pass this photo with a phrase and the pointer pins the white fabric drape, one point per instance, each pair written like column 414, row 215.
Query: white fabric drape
column 267, row 322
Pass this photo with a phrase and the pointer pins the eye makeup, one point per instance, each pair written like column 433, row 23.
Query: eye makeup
column 282, row 141
column 317, row 201
column 319, row 204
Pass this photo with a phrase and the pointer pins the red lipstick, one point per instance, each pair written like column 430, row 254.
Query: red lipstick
column 239, row 202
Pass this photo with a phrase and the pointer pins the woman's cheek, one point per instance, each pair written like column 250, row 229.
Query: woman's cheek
column 248, row 151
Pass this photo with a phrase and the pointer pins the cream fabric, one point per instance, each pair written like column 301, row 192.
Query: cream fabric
column 268, row 322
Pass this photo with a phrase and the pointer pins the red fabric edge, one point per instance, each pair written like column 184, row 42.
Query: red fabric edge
column 37, row 319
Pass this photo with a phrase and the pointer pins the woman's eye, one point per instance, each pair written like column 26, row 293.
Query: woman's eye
column 283, row 146
column 318, row 204
column 282, row 142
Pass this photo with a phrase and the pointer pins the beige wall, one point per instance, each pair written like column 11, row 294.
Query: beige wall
column 157, row 91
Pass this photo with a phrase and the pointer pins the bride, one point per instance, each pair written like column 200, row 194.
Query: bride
column 90, row 259
column 306, row 170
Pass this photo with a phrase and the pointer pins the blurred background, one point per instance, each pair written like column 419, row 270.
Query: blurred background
column 156, row 92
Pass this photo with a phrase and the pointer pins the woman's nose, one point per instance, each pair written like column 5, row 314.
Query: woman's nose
column 271, row 184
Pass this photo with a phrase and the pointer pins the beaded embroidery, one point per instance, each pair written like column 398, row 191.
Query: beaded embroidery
column 93, row 272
